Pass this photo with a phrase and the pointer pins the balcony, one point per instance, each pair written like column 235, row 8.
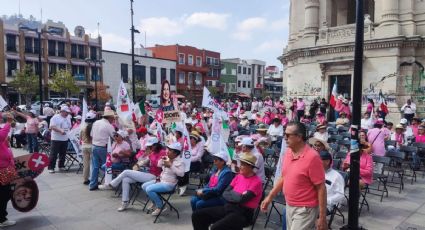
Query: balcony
column 95, row 78
column 79, row 77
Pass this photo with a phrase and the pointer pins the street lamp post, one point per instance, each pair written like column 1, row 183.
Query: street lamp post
column 95, row 62
column 133, row 30
column 40, row 67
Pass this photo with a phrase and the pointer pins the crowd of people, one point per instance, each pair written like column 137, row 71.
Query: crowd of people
column 235, row 187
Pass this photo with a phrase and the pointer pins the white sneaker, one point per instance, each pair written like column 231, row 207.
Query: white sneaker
column 156, row 212
column 182, row 190
column 51, row 171
column 105, row 187
column 8, row 223
column 124, row 206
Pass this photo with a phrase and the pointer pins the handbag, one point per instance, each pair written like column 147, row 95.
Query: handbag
column 7, row 175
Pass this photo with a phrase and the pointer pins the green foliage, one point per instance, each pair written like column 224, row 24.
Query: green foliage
column 64, row 82
column 214, row 90
column 26, row 83
column 141, row 90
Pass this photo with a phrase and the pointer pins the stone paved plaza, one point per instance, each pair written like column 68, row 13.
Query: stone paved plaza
column 65, row 203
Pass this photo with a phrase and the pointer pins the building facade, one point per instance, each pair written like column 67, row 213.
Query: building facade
column 195, row 68
column 320, row 50
column 148, row 70
column 59, row 49
column 228, row 77
column 257, row 76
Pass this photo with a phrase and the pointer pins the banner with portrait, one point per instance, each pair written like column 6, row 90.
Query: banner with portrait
column 169, row 105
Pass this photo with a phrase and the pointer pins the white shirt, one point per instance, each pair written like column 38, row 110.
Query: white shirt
column 408, row 110
column 18, row 128
column 63, row 123
column 366, row 123
column 275, row 131
column 335, row 191
column 259, row 171
column 101, row 131
column 47, row 111
column 322, row 136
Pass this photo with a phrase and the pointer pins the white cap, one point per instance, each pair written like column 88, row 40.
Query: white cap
column 175, row 146
column 90, row 115
column 247, row 141
column 33, row 111
column 78, row 117
column 122, row 133
column 222, row 155
column 46, row 105
column 179, row 128
column 403, row 121
column 107, row 104
column 65, row 109
column 151, row 141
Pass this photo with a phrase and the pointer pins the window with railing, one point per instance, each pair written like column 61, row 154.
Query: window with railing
column 11, row 42
column 190, row 79
column 61, row 49
column 36, row 46
column 95, row 76
column 81, row 53
column 52, row 48
column 78, row 72
column 209, row 61
column 28, row 45
column 182, row 78
column 216, row 61
column 163, row 74
column 12, row 65
column 93, row 53
column 73, row 50
column 198, row 79
column 199, row 61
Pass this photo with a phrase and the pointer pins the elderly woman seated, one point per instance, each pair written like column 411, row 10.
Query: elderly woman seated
column 221, row 177
column 172, row 167
column 342, row 120
column 243, row 196
column 121, row 151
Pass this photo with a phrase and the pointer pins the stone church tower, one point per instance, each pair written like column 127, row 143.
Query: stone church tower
column 320, row 51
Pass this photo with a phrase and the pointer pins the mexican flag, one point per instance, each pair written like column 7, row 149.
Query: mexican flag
column 382, row 104
column 334, row 95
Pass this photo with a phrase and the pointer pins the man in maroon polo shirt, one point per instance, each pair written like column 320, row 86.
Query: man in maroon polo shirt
column 302, row 182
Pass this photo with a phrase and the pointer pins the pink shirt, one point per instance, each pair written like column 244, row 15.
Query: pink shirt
column 420, row 138
column 366, row 167
column 346, row 110
column 415, row 129
column 31, row 126
column 301, row 175
column 369, row 107
column 6, row 156
column 153, row 162
column 242, row 184
column 213, row 181
column 378, row 144
column 116, row 148
column 300, row 105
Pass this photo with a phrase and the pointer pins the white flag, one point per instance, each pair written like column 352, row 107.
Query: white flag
column 3, row 103
column 214, row 144
column 209, row 102
column 124, row 103
column 85, row 111
column 278, row 172
column 187, row 149
column 108, row 165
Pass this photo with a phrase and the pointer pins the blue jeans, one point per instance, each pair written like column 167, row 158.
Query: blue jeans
column 198, row 203
column 115, row 166
column 284, row 219
column 98, row 158
column 152, row 188
column 32, row 142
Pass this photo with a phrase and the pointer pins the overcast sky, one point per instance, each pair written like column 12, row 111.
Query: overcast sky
column 249, row 29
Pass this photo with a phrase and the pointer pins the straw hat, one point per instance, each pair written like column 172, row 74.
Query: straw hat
column 262, row 127
column 313, row 140
column 108, row 113
column 248, row 159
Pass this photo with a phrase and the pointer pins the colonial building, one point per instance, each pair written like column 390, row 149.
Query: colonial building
column 148, row 70
column 60, row 50
column 228, row 77
column 195, row 68
column 320, row 50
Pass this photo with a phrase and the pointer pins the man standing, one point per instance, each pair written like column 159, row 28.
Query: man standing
column 60, row 124
column 302, row 181
column 48, row 112
column 409, row 110
column 100, row 133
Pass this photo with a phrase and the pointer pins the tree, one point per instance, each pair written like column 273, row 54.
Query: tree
column 26, row 83
column 102, row 93
column 215, row 91
column 63, row 81
column 141, row 90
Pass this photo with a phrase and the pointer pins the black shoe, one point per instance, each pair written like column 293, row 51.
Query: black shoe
column 94, row 188
column 86, row 182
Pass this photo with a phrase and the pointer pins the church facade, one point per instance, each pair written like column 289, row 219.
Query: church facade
column 320, row 51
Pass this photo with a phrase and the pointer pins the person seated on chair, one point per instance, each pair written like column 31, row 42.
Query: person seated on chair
column 275, row 130
column 195, row 159
column 318, row 144
column 420, row 138
column 243, row 196
column 172, row 167
column 262, row 140
column 335, row 183
column 154, row 152
column 366, row 166
column 321, row 133
column 248, row 146
column 221, row 177
column 342, row 120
